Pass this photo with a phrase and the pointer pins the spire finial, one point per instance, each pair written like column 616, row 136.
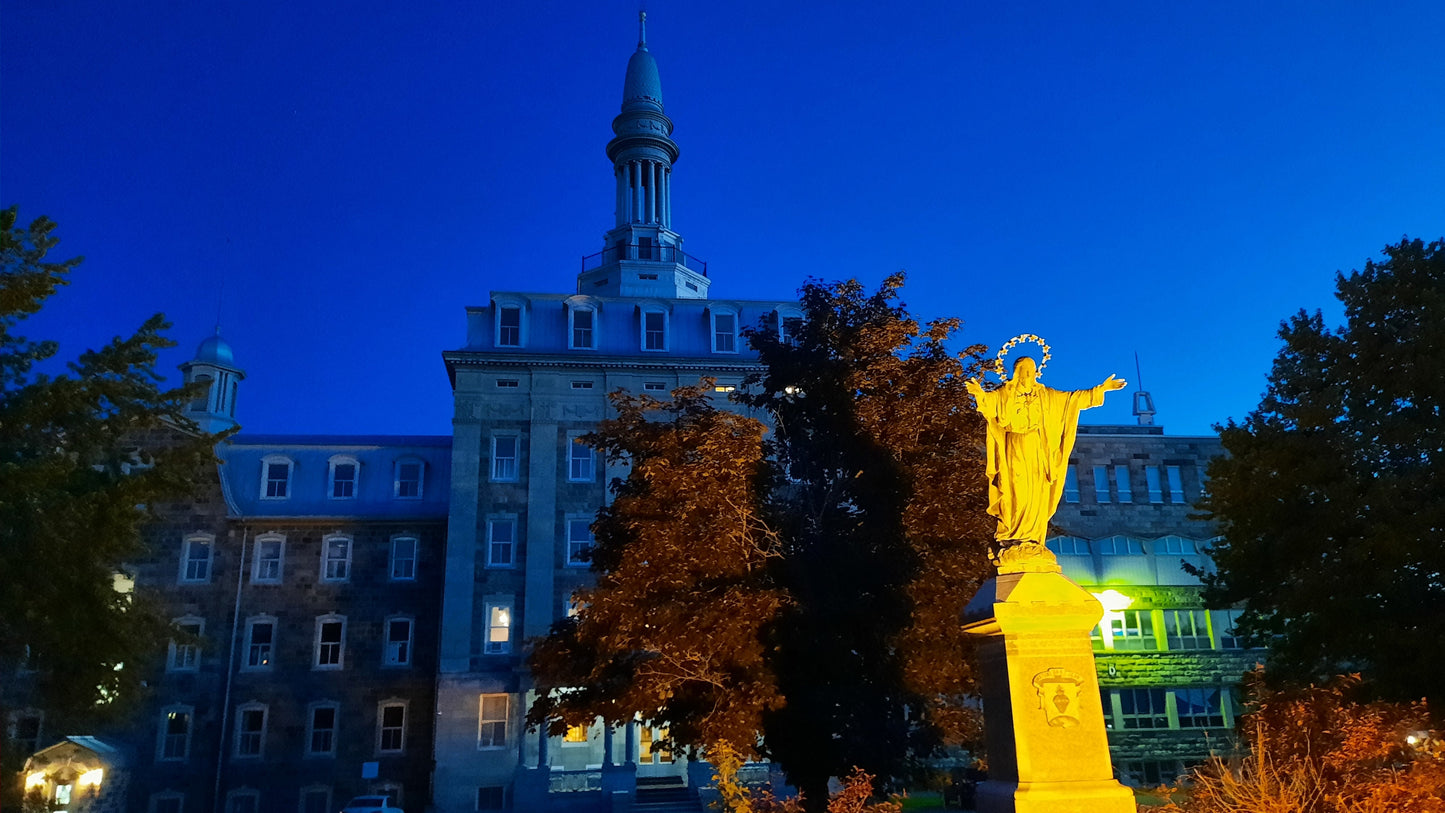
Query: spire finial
column 641, row 30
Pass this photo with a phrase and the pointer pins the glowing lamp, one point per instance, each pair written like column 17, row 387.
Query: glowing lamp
column 91, row 777
column 1113, row 600
column 35, row 780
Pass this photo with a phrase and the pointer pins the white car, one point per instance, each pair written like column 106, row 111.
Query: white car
column 370, row 804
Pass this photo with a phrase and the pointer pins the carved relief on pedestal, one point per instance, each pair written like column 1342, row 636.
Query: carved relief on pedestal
column 1058, row 691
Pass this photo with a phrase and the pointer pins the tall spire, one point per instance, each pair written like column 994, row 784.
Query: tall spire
column 642, row 154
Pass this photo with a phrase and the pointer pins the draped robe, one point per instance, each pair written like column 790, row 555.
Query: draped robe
column 1030, row 437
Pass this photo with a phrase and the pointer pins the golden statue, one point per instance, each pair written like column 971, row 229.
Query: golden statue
column 1031, row 431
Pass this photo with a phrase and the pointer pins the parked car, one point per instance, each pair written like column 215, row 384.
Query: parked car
column 370, row 804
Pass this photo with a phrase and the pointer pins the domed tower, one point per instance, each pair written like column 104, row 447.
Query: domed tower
column 215, row 364
column 642, row 255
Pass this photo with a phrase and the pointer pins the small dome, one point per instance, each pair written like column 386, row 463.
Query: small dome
column 215, row 350
column 642, row 89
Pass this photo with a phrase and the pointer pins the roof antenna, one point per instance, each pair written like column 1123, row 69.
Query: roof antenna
column 220, row 297
column 642, row 29
column 1143, row 401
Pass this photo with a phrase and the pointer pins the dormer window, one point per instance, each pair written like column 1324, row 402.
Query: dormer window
column 790, row 323
column 275, row 477
column 582, row 329
column 654, row 330
column 509, row 326
column 724, row 330
column 408, row 483
column 343, row 476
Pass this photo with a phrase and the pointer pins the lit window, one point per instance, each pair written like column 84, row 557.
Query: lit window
column 196, row 559
column 62, row 793
column 1186, row 629
column 321, row 730
column 408, row 479
column 501, row 542
column 260, row 642
column 335, row 559
column 504, row 458
column 499, row 628
column 1071, row 485
column 1121, row 482
column 654, row 330
column 583, row 325
column 1141, row 708
column 276, row 478
column 1153, row 481
column 724, row 332
column 391, row 728
column 653, row 747
column 579, row 541
column 509, row 326
column 492, row 727
column 398, row 642
column 250, row 730
column 330, row 642
column 1101, row 484
column 343, row 478
column 579, row 461
column 576, row 735
column 1199, row 708
column 1176, row 484
column 185, row 652
column 175, row 740
column 1132, row 630
column 403, row 559
column 267, row 561
column 724, row 388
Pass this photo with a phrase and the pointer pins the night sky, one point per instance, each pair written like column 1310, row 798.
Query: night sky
column 338, row 181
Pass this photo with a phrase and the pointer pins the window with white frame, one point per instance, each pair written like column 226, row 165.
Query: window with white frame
column 1200, row 708
column 408, row 482
column 267, row 560
column 336, row 559
column 495, row 712
column 275, row 477
column 1140, row 708
column 1153, row 480
column 1071, row 484
column 260, row 642
column 1187, row 629
column 391, row 727
column 509, row 325
column 321, row 729
column 250, row 731
column 582, row 328
column 175, row 734
column 505, row 449
column 1174, row 545
column 580, row 466
column 653, row 746
column 654, row 330
column 1229, row 637
column 398, row 642
column 169, row 801
column 502, row 542
column 1119, row 546
column 790, row 324
column 196, row 552
column 243, row 801
column 342, row 473
column 185, row 651
column 403, row 558
column 724, row 331
column 330, row 646
column 1101, row 484
column 1122, row 484
column 579, row 541
column 1176, row 484
column 575, row 735
column 499, row 627
column 316, row 799
column 654, row 386
column 1069, row 546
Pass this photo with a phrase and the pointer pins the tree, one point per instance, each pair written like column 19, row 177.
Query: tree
column 1329, row 498
column 76, row 486
column 814, row 578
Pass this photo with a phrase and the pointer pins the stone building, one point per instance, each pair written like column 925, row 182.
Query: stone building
column 1168, row 667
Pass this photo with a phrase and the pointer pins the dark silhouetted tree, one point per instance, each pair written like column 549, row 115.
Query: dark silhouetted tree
column 1331, row 499
column 76, row 484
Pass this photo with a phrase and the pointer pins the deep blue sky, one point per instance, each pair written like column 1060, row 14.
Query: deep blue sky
column 1169, row 178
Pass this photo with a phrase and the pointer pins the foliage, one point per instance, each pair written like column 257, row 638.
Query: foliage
column 1329, row 498
column 75, row 488
column 855, row 796
column 1321, row 749
column 796, row 598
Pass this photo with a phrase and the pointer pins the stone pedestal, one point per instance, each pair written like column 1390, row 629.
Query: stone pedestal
column 1043, row 720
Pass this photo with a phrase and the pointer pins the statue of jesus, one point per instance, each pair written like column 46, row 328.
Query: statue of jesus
column 1031, row 431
